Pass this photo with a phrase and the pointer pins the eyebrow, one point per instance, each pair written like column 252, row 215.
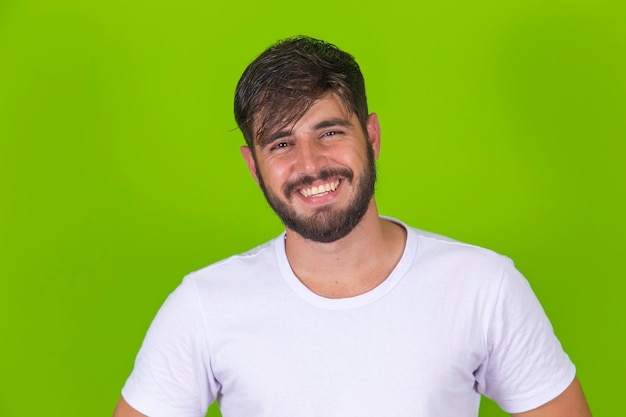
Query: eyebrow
column 324, row 124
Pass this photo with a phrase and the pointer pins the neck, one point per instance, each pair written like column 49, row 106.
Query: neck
column 351, row 265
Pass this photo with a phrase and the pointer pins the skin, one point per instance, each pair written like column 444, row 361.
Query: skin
column 328, row 136
column 123, row 409
column 366, row 256
column 571, row 403
column 328, row 222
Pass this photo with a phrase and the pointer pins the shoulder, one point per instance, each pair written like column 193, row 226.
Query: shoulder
column 458, row 270
column 441, row 251
column 235, row 278
column 237, row 266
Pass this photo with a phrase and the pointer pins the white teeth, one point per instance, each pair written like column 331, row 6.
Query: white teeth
column 320, row 190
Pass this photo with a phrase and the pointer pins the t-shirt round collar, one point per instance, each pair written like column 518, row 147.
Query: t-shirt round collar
column 360, row 300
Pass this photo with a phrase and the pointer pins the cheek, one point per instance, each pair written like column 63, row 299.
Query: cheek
column 355, row 159
column 273, row 173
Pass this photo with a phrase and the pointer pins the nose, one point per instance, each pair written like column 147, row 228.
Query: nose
column 310, row 157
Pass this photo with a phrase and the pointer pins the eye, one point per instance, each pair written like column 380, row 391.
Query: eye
column 330, row 133
column 279, row 145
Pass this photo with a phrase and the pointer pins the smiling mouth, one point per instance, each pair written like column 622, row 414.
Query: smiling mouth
column 320, row 190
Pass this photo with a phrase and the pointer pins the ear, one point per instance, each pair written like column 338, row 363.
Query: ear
column 373, row 132
column 246, row 152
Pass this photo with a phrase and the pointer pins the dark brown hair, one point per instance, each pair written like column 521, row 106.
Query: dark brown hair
column 279, row 86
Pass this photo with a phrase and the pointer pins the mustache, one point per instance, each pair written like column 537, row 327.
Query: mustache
column 323, row 175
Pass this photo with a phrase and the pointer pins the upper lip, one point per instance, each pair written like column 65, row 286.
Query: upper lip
column 323, row 188
column 332, row 176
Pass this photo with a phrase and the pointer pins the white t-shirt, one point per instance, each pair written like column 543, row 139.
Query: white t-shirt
column 451, row 322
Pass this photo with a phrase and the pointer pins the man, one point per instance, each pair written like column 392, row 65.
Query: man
column 347, row 313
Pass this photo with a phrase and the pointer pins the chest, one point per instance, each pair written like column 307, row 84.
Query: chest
column 404, row 354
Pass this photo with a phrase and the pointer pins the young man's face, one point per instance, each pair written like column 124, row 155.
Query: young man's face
column 318, row 175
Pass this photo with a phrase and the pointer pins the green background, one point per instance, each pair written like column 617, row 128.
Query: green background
column 503, row 125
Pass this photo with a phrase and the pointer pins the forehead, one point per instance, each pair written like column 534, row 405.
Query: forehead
column 329, row 106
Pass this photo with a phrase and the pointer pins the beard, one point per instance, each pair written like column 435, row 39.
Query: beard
column 327, row 224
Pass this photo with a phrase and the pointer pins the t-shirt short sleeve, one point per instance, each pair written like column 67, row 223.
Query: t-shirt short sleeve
column 172, row 375
column 526, row 366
